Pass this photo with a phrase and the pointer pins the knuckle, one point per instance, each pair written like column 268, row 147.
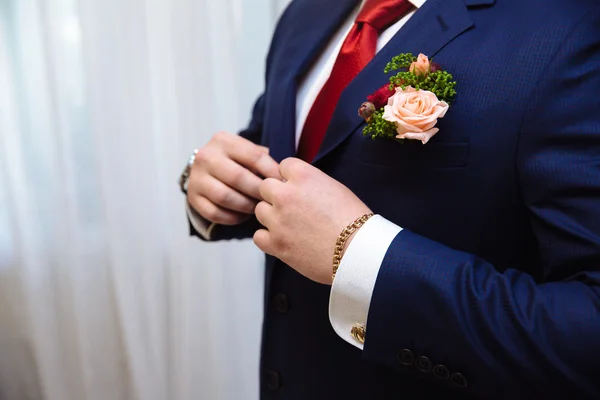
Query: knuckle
column 260, row 208
column 283, row 196
column 212, row 214
column 203, row 209
column 278, row 239
column 192, row 188
column 195, row 204
column 261, row 239
column 191, row 197
column 256, row 238
column 268, row 190
column 255, row 156
column 215, row 215
column 287, row 162
column 222, row 196
column 230, row 219
column 248, row 208
column 264, row 184
column 237, row 177
column 195, row 185
column 202, row 156
column 263, row 187
column 279, row 198
column 221, row 136
column 292, row 166
column 283, row 248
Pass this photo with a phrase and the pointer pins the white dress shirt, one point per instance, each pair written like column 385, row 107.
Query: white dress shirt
column 355, row 280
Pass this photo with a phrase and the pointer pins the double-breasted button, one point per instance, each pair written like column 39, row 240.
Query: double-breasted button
column 406, row 357
column 423, row 364
column 458, row 380
column 282, row 303
column 273, row 381
column 441, row 372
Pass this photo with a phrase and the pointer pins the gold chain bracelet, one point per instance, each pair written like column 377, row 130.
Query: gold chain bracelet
column 341, row 240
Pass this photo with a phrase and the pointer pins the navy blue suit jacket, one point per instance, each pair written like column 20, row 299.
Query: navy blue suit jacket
column 492, row 290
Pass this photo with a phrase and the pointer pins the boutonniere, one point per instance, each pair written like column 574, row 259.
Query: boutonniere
column 410, row 105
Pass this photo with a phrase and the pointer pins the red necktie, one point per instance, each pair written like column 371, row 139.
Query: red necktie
column 357, row 50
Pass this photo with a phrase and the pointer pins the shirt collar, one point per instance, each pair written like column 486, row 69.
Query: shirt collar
column 416, row 3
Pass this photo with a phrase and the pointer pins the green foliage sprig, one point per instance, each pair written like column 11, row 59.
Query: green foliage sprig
column 439, row 83
column 377, row 127
column 403, row 60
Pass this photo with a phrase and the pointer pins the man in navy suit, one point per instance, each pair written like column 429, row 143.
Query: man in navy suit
column 479, row 275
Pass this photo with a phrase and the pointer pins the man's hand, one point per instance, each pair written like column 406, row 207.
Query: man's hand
column 304, row 216
column 224, row 180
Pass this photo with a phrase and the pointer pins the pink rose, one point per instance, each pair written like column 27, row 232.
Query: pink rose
column 415, row 113
column 421, row 66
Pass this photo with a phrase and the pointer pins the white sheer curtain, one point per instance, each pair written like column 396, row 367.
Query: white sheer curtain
column 102, row 294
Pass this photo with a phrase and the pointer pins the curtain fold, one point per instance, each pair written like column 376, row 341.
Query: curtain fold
column 102, row 293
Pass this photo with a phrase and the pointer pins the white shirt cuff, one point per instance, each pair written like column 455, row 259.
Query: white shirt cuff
column 201, row 225
column 355, row 279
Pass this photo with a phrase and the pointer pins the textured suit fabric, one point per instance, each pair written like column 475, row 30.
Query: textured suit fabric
column 496, row 274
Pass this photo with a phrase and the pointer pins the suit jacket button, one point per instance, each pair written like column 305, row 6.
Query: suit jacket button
column 282, row 303
column 273, row 381
column 423, row 364
column 441, row 372
column 406, row 357
column 458, row 380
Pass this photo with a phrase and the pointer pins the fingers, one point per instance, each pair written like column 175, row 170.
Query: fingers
column 214, row 213
column 224, row 196
column 267, row 167
column 271, row 190
column 264, row 214
column 293, row 168
column 249, row 155
column 262, row 240
column 238, row 177
column 265, row 149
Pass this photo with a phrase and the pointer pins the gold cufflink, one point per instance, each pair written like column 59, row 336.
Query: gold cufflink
column 358, row 332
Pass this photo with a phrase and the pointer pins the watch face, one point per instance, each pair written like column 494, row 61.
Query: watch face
column 183, row 179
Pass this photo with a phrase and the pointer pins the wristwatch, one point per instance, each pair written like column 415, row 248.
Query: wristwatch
column 185, row 175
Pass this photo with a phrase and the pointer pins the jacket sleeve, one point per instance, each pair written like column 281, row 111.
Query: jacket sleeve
column 483, row 330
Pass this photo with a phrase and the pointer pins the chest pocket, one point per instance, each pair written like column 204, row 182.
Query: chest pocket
column 413, row 154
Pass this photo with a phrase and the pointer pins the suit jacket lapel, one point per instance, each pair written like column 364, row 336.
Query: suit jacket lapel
column 303, row 40
column 317, row 24
column 428, row 31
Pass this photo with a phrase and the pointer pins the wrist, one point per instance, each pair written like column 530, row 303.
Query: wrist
column 366, row 211
column 348, row 241
column 344, row 239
